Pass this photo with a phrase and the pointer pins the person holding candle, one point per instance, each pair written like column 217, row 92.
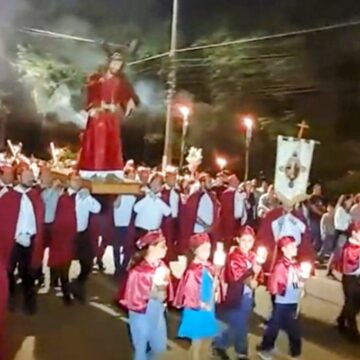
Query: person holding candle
column 286, row 283
column 242, row 270
column 196, row 295
column 147, row 289
column 349, row 266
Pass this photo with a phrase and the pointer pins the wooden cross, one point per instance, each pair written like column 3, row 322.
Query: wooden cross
column 302, row 127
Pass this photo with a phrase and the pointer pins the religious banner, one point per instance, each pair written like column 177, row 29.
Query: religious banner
column 293, row 163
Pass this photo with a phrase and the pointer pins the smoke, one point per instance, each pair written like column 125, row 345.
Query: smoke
column 151, row 95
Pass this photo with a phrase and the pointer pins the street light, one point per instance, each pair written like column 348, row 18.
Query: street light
column 249, row 124
column 185, row 112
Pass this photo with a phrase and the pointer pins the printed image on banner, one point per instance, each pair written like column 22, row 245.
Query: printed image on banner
column 293, row 164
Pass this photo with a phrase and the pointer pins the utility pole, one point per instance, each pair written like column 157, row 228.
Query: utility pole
column 171, row 83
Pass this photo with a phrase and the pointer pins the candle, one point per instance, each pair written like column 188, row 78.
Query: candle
column 261, row 255
column 219, row 255
column 160, row 275
column 305, row 270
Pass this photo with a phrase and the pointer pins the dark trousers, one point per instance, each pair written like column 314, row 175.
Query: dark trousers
column 62, row 273
column 85, row 255
column 122, row 241
column 351, row 288
column 21, row 259
column 283, row 317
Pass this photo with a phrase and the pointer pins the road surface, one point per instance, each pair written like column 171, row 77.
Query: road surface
column 98, row 330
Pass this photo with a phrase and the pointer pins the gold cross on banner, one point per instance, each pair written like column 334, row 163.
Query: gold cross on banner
column 302, row 127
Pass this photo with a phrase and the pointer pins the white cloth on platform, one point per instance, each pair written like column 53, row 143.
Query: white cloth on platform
column 26, row 222
column 288, row 225
column 84, row 205
column 122, row 214
column 150, row 211
column 50, row 197
column 205, row 212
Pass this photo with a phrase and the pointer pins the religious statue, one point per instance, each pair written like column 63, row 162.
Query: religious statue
column 110, row 98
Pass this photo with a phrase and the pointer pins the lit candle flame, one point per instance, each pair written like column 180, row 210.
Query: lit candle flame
column 261, row 255
column 305, row 270
column 219, row 255
column 221, row 162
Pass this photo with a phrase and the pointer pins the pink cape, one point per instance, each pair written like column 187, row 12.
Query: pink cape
column 228, row 224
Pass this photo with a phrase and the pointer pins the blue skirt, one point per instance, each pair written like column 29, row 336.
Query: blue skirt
column 199, row 324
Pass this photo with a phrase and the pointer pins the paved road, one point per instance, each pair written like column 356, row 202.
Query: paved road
column 99, row 330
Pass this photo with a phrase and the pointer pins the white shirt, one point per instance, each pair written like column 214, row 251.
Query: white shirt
column 84, row 205
column 288, row 225
column 342, row 219
column 122, row 214
column 26, row 222
column 50, row 197
column 293, row 293
column 150, row 212
column 205, row 212
column 355, row 213
column 174, row 203
column 239, row 207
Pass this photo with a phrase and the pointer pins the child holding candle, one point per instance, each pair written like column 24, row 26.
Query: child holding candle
column 196, row 294
column 242, row 270
column 147, row 289
column 286, row 283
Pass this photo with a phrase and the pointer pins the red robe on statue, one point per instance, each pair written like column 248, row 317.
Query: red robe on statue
column 107, row 99
column 265, row 237
column 64, row 230
column 188, row 219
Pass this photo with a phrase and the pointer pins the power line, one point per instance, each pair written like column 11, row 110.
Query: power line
column 258, row 39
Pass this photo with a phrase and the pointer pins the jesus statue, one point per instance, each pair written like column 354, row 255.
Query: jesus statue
column 110, row 98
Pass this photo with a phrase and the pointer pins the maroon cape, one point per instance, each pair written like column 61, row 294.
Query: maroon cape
column 228, row 224
column 265, row 238
column 278, row 279
column 188, row 290
column 38, row 244
column 9, row 209
column 169, row 226
column 64, row 230
column 136, row 293
column 188, row 219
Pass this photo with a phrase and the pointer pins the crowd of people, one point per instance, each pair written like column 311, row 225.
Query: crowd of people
column 164, row 243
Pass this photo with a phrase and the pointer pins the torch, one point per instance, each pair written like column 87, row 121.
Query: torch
column 249, row 123
column 185, row 112
column 221, row 162
column 305, row 273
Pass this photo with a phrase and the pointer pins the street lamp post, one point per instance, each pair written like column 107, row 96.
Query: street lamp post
column 249, row 123
column 167, row 154
column 185, row 112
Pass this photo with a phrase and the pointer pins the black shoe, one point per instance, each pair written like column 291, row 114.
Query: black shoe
column 12, row 303
column 30, row 306
column 78, row 291
column 67, row 300
column 219, row 354
column 101, row 266
column 341, row 325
